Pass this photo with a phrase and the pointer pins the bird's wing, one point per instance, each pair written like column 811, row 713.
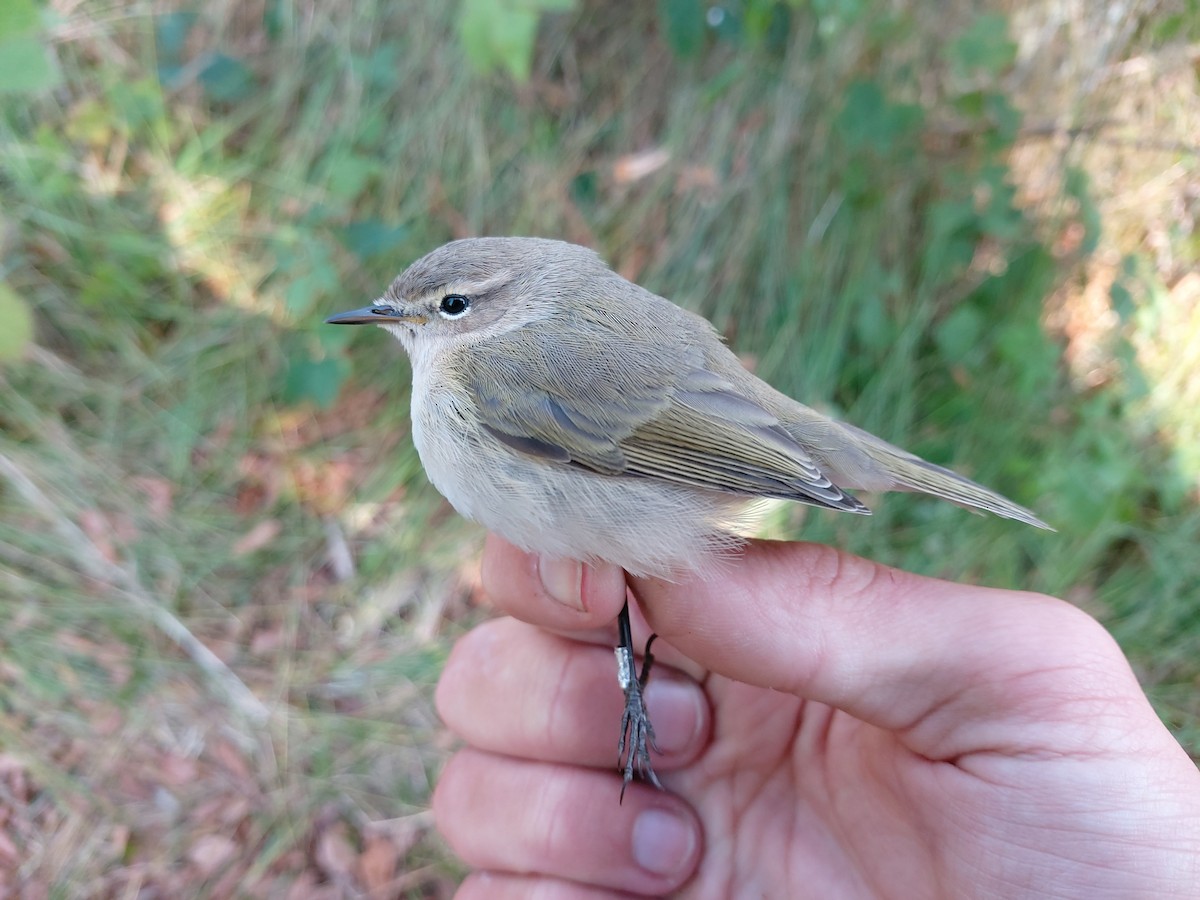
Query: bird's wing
column 646, row 415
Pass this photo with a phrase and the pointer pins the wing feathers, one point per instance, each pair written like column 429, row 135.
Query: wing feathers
column 649, row 419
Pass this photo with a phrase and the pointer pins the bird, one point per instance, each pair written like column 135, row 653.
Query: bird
column 581, row 416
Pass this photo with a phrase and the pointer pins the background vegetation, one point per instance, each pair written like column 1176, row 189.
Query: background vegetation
column 225, row 587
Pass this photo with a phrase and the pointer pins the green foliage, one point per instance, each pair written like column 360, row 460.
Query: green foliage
column 682, row 24
column 499, row 34
column 18, row 17
column 318, row 380
column 1077, row 188
column 1182, row 22
column 371, row 237
column 16, row 324
column 835, row 17
column 984, row 47
column 26, row 63
column 225, row 79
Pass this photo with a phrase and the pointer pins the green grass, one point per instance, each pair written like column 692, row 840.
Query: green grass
column 187, row 448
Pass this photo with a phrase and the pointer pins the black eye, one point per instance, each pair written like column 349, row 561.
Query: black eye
column 454, row 305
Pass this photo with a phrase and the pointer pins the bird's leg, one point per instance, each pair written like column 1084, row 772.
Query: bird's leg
column 637, row 734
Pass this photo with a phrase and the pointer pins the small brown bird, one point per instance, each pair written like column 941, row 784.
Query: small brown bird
column 580, row 416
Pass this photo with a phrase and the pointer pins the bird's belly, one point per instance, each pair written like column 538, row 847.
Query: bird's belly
column 644, row 525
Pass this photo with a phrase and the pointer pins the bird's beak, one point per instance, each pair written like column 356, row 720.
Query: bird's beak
column 380, row 314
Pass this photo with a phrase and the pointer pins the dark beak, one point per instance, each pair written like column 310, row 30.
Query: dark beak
column 372, row 315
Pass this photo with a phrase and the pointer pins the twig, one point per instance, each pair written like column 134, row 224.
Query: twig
column 93, row 564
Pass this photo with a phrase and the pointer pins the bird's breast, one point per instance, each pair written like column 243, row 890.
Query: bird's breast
column 644, row 525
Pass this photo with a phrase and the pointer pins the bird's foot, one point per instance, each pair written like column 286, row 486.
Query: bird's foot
column 637, row 734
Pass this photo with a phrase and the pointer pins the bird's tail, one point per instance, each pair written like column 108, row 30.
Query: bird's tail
column 911, row 473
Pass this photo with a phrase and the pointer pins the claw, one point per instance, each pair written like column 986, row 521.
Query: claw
column 637, row 734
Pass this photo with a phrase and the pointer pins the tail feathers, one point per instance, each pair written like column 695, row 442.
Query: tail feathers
column 919, row 475
column 907, row 472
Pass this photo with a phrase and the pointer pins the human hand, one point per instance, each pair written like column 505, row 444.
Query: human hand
column 834, row 728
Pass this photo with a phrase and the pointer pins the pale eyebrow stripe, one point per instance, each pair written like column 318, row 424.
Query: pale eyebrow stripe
column 479, row 287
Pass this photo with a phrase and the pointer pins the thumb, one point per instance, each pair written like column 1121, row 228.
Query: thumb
column 942, row 664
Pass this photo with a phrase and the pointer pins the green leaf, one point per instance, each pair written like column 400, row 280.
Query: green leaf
column 953, row 228
column 316, row 380
column 682, row 23
column 868, row 120
column 170, row 34
column 16, row 324
column 18, row 17
column 348, row 173
column 872, row 323
column 959, row 333
column 836, row 16
column 304, row 291
column 501, row 33
column 225, row 79
column 275, row 19
column 335, row 338
column 1079, row 187
column 985, row 46
column 1124, row 303
column 1000, row 218
column 371, row 236
column 585, row 188
column 380, row 67
column 25, row 66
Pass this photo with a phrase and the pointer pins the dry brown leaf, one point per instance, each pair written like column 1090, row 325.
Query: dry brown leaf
column 230, row 758
column 403, row 832
column 324, row 487
column 262, row 482
column 232, row 883
column 377, row 862
column 335, row 856
column 160, row 495
column 105, row 719
column 118, row 840
column 698, row 178
column 210, row 852
column 98, row 529
column 306, row 888
column 267, row 640
column 10, row 856
column 177, row 770
column 257, row 537
column 636, row 166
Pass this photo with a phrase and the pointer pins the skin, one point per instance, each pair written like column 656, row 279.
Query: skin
column 831, row 728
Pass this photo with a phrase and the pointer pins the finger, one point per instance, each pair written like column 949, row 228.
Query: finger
column 511, row 688
column 569, row 598
column 555, row 594
column 510, row 815
column 504, row 886
column 941, row 663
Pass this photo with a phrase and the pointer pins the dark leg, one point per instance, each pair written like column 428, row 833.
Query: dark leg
column 637, row 734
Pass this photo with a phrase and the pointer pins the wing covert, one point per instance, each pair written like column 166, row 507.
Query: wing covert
column 642, row 416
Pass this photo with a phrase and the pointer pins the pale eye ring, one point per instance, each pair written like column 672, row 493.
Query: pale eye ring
column 454, row 306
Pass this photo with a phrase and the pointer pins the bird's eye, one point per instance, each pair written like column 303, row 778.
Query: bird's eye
column 454, row 305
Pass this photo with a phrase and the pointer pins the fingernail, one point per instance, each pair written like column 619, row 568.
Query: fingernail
column 562, row 579
column 662, row 842
column 677, row 710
